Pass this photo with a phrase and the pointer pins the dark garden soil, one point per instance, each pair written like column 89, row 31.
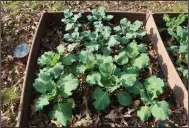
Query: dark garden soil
column 84, row 113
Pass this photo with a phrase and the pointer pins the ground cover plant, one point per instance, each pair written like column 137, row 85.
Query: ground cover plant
column 107, row 59
column 178, row 45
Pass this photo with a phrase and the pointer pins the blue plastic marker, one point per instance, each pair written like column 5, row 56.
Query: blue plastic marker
column 21, row 50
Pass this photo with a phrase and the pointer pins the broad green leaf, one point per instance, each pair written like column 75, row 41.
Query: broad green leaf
column 183, row 71
column 115, row 79
column 60, row 49
column 107, row 69
column 183, row 49
column 142, row 48
column 69, row 59
column 99, row 15
column 186, row 57
column 122, row 40
column 94, row 78
column 90, row 17
column 154, row 86
column 99, row 28
column 132, row 50
column 172, row 48
column 67, row 84
column 76, row 17
column 111, row 83
column 101, row 99
column 90, row 62
column 111, row 88
column 68, row 37
column 118, row 72
column 118, row 29
column 56, row 70
column 106, row 51
column 67, row 13
column 113, row 42
column 124, row 98
column 172, row 33
column 83, row 55
column 101, row 11
column 46, row 58
column 144, row 113
column 72, row 69
column 80, row 69
column 63, row 113
column 69, row 26
column 131, row 70
column 166, row 17
column 108, row 17
column 55, row 59
column 72, row 102
column 103, row 59
column 53, row 94
column 140, row 33
column 125, row 23
column 92, row 46
column 131, row 35
column 106, row 33
column 44, row 74
column 144, row 97
column 161, row 110
column 67, row 70
column 136, row 88
column 175, row 21
column 41, row 102
column 128, row 80
column 142, row 61
column 136, row 25
column 179, row 31
column 44, row 83
column 88, row 35
column 121, row 58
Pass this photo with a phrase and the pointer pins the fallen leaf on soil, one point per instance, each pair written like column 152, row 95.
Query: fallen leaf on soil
column 85, row 102
column 56, row 122
column 83, row 122
column 117, row 114
column 84, row 118
column 112, row 115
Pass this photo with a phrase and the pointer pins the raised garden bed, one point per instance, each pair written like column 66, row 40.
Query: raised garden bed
column 174, row 80
column 50, row 34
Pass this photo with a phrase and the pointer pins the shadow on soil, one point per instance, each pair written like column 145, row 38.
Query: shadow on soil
column 178, row 91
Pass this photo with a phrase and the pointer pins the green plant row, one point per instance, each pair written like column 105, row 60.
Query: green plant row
column 179, row 41
column 106, row 58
